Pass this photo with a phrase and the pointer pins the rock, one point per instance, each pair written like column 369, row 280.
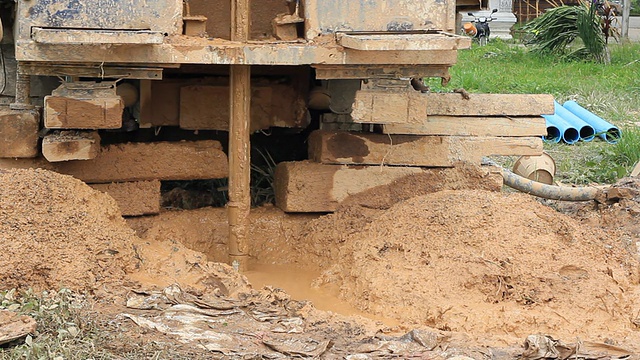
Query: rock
column 14, row 326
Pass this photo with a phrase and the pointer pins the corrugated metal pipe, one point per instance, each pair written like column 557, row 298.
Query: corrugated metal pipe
column 565, row 193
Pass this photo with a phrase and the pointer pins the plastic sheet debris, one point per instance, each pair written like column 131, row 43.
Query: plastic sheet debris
column 220, row 325
column 268, row 324
column 296, row 347
column 546, row 347
column 416, row 343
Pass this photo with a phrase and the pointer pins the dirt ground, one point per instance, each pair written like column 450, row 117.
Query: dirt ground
column 437, row 275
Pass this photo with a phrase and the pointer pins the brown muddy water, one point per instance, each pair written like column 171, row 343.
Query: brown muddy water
column 298, row 283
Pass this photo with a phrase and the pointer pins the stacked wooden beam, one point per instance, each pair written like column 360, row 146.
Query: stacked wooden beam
column 131, row 172
column 204, row 104
column 421, row 133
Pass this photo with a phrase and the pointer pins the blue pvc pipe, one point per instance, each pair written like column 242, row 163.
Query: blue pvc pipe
column 570, row 135
column 553, row 133
column 586, row 131
column 607, row 131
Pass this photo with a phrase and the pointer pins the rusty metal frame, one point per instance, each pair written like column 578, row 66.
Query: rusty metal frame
column 189, row 50
column 106, row 71
column 239, row 205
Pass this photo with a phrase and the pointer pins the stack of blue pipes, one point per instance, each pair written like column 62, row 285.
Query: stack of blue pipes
column 572, row 123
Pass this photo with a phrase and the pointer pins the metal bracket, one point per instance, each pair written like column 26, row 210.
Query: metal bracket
column 95, row 36
column 382, row 72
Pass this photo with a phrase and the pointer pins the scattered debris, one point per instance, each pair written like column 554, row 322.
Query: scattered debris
column 221, row 325
column 545, row 347
column 14, row 326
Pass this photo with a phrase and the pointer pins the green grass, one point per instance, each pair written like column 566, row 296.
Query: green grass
column 610, row 91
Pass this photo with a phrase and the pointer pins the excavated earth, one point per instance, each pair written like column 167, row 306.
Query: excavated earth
column 486, row 267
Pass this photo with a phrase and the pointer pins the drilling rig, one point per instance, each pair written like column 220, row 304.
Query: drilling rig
column 127, row 94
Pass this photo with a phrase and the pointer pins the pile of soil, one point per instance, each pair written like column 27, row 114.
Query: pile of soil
column 55, row 232
column 492, row 265
column 495, row 266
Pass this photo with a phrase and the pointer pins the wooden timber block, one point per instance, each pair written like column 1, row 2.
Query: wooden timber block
column 134, row 198
column 341, row 147
column 312, row 187
column 206, row 107
column 185, row 160
column 146, row 108
column 71, row 145
column 69, row 113
column 385, row 107
column 207, row 100
column 472, row 126
column 160, row 102
column 197, row 101
column 19, row 129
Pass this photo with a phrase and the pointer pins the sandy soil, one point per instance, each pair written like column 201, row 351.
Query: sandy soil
column 494, row 266
column 58, row 232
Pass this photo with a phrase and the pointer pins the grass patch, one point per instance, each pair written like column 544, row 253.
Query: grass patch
column 61, row 332
column 262, row 179
column 68, row 328
column 611, row 91
column 598, row 162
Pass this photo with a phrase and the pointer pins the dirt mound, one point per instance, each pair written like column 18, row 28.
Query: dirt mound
column 55, row 231
column 616, row 211
column 464, row 176
column 488, row 264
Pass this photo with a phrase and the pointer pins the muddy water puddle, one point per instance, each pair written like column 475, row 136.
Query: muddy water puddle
column 297, row 283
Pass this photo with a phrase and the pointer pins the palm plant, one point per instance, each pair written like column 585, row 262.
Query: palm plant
column 557, row 31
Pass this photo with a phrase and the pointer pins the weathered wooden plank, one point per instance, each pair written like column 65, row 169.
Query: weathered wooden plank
column 141, row 161
column 71, row 145
column 328, row 16
column 472, row 126
column 160, row 102
column 413, row 150
column 134, row 198
column 146, row 108
column 312, row 187
column 207, row 108
column 19, row 129
column 384, row 107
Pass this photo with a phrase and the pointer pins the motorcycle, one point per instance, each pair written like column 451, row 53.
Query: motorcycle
column 479, row 28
